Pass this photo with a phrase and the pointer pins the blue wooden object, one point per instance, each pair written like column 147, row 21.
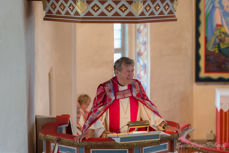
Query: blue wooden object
column 158, row 148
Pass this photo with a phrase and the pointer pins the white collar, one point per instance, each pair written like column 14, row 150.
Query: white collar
column 122, row 87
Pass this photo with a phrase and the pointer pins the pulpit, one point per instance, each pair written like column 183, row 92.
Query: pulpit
column 65, row 142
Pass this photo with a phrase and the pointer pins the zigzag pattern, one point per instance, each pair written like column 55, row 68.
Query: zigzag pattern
column 110, row 10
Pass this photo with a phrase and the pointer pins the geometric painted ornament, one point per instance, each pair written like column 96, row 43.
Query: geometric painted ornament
column 109, row 11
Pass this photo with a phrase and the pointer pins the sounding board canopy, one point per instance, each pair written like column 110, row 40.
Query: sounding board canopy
column 110, row 11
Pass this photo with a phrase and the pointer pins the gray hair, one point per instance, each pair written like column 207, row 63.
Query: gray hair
column 123, row 60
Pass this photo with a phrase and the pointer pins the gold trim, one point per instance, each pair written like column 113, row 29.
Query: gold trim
column 137, row 6
column 138, row 124
column 62, row 141
column 44, row 2
column 81, row 6
column 175, row 3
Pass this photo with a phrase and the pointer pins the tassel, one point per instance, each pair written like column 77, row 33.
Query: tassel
column 44, row 2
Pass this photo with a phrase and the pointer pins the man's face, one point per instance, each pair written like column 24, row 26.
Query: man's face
column 125, row 76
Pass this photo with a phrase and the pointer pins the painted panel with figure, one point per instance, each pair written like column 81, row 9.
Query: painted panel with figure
column 212, row 40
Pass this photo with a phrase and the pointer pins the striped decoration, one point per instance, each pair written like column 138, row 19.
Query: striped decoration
column 222, row 117
column 222, row 128
column 109, row 11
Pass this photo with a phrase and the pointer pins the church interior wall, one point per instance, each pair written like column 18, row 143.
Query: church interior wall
column 172, row 62
column 94, row 56
column 63, row 63
column 172, row 67
column 54, row 62
column 44, row 59
column 14, row 91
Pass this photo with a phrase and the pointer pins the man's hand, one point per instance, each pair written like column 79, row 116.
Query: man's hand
column 90, row 133
column 171, row 129
column 168, row 128
column 79, row 138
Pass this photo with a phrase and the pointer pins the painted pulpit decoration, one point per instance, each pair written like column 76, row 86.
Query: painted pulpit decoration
column 212, row 40
column 110, row 11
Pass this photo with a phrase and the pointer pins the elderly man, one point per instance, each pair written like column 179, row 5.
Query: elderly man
column 120, row 100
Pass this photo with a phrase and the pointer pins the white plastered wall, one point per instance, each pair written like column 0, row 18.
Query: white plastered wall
column 14, row 77
column 172, row 62
column 94, row 56
column 53, row 53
